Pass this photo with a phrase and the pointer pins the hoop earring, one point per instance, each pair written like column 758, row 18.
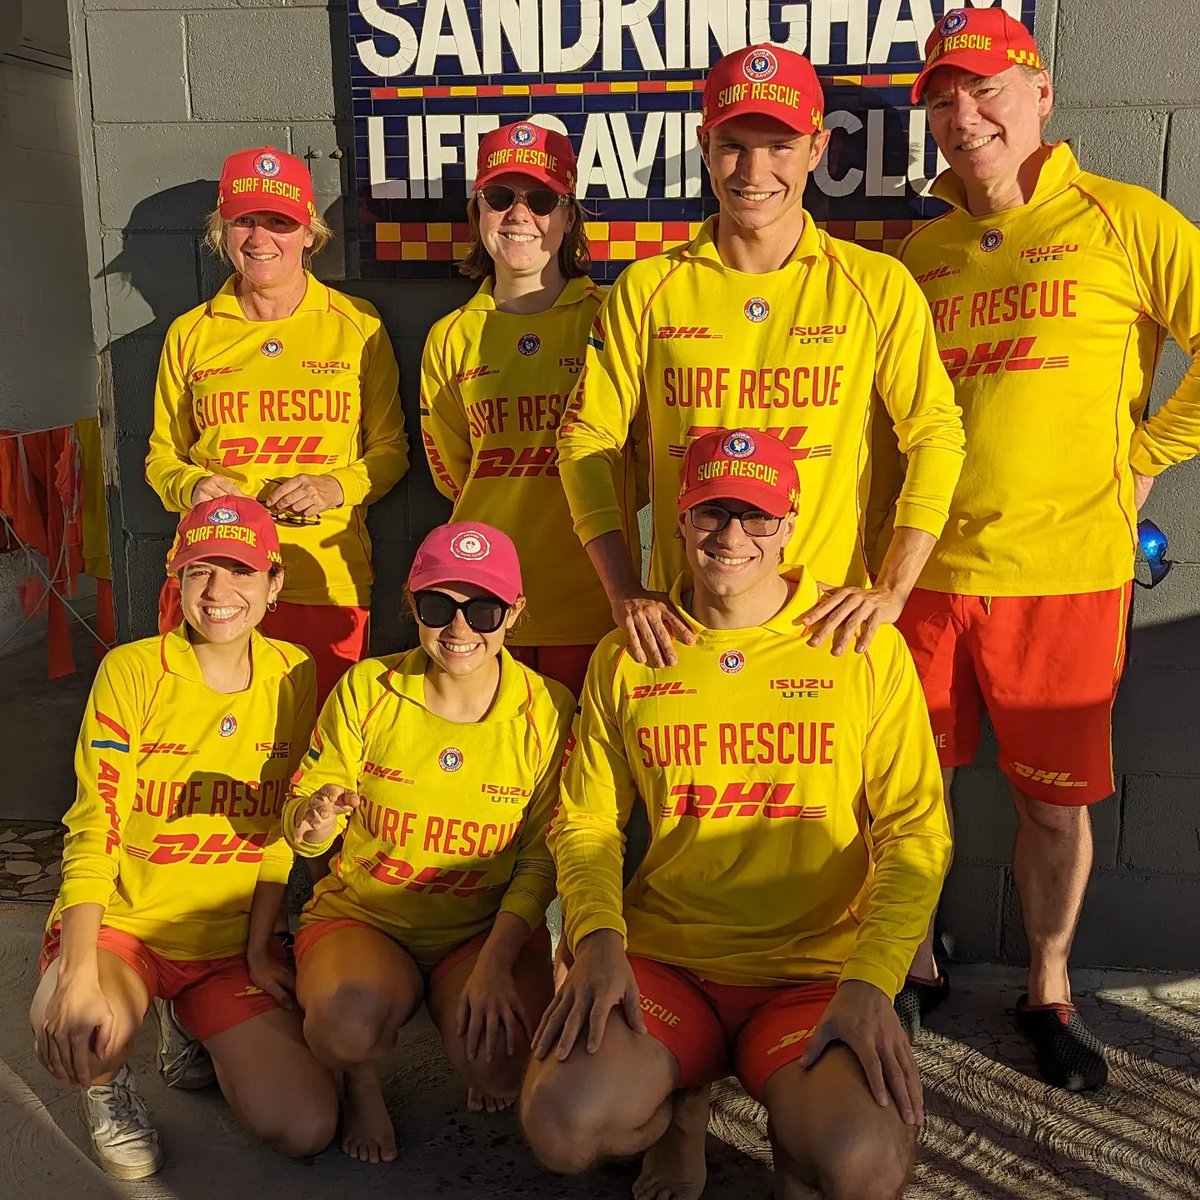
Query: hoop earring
column 272, row 605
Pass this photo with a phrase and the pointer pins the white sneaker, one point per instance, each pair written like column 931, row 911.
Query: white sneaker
column 124, row 1142
column 182, row 1060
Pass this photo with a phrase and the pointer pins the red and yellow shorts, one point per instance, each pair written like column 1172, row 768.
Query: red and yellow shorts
column 717, row 1029
column 310, row 934
column 211, row 995
column 1046, row 670
column 567, row 664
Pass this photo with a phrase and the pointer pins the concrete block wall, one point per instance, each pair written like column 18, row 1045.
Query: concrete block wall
column 48, row 377
column 168, row 87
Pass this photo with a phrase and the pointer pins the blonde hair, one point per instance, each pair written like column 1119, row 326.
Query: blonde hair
column 574, row 255
column 215, row 226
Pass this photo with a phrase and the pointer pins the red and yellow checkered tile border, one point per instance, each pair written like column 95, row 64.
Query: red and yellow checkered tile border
column 601, row 88
column 620, row 241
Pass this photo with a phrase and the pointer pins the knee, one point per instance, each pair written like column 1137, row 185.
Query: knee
column 303, row 1131
column 1050, row 820
column 860, row 1163
column 560, row 1131
column 348, row 1026
column 299, row 1130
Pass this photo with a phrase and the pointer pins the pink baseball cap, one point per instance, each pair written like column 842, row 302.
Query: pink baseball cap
column 235, row 527
column 468, row 552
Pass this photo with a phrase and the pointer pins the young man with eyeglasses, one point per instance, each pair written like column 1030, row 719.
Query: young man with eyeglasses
column 763, row 322
column 797, row 845
column 1051, row 291
column 496, row 376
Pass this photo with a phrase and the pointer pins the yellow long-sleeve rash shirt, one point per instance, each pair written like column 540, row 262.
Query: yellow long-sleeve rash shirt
column 797, row 829
column 452, row 827
column 313, row 393
column 180, row 793
column 1050, row 318
column 806, row 351
column 493, row 389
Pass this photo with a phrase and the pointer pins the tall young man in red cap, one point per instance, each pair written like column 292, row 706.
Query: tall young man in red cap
column 1051, row 291
column 797, row 844
column 763, row 322
column 496, row 375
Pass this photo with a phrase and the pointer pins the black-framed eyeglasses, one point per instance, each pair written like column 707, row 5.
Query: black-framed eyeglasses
column 712, row 518
column 286, row 516
column 540, row 201
column 1152, row 550
column 436, row 610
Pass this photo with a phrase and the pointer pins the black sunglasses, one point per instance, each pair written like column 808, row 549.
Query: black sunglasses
column 1152, row 543
column 436, row 610
column 540, row 201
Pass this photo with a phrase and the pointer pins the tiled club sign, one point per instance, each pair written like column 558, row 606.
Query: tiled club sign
column 623, row 79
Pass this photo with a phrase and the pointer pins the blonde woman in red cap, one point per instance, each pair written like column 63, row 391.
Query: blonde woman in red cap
column 173, row 868
column 496, row 376
column 440, row 766
column 281, row 388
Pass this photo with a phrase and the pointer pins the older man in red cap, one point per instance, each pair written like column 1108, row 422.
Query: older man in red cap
column 767, row 323
column 797, row 843
column 1051, row 291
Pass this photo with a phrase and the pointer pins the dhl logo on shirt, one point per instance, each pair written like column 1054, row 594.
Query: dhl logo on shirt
column 381, row 772
column 208, row 372
column 242, row 451
column 433, row 881
column 504, row 462
column 697, row 332
column 480, row 372
column 1008, row 354
column 178, row 748
column 644, row 691
column 770, row 800
column 170, row 849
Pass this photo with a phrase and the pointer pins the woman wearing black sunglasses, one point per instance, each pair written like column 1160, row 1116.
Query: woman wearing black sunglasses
column 440, row 766
column 497, row 374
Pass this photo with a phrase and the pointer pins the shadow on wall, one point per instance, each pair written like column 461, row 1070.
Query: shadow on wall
column 148, row 266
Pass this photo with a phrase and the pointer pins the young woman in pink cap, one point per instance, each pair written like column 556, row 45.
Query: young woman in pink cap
column 173, row 867
column 496, row 377
column 281, row 388
column 440, row 767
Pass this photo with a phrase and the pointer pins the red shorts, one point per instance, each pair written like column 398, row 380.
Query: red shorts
column 211, row 995
column 567, row 664
column 1046, row 669
column 714, row 1029
column 309, row 935
column 335, row 635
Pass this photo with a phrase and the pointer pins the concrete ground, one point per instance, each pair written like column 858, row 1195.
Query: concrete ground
column 993, row 1131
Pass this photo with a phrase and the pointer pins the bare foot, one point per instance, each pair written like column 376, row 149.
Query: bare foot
column 478, row 1101
column 674, row 1168
column 367, row 1130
